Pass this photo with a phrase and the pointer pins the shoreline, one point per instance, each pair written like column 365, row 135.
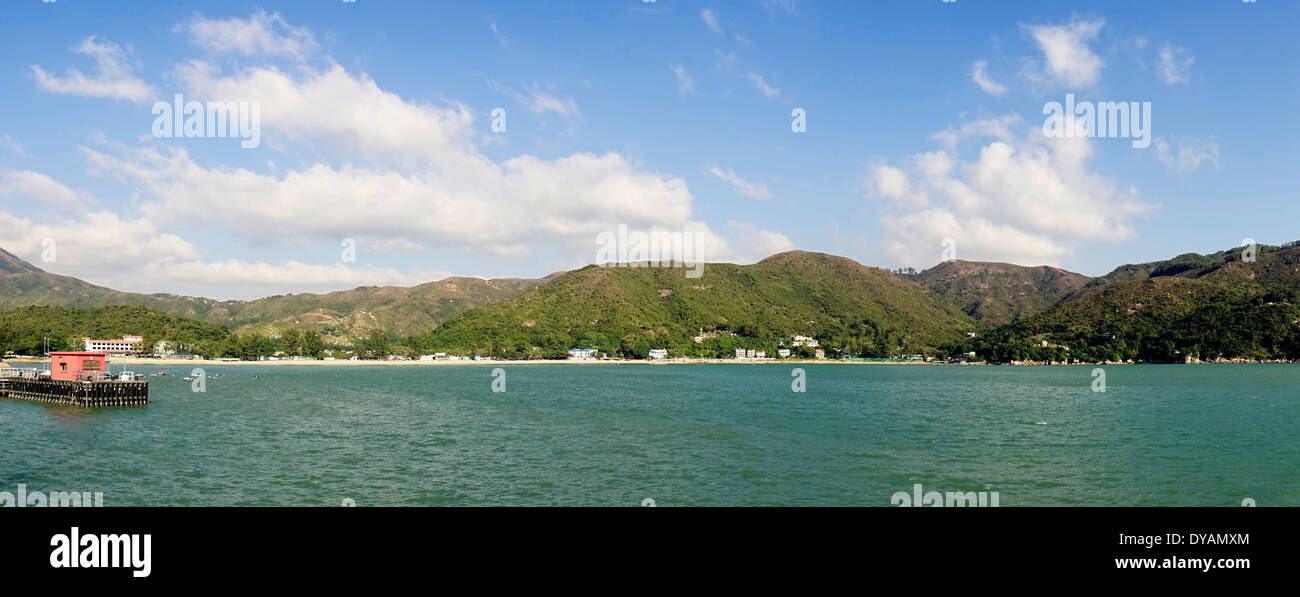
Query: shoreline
column 145, row 363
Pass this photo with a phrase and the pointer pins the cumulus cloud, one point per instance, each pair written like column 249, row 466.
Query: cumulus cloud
column 156, row 261
column 742, row 186
column 38, row 186
column 1025, row 199
column 984, row 81
column 1174, row 64
column 348, row 113
column 260, row 34
column 1069, row 59
column 408, row 174
column 755, row 244
column 114, row 76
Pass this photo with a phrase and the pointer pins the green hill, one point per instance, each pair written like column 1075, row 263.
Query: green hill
column 1191, row 307
column 999, row 293
column 24, row 330
column 339, row 316
column 628, row 310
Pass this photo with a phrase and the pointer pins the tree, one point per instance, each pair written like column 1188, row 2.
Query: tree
column 311, row 344
column 290, row 342
column 376, row 345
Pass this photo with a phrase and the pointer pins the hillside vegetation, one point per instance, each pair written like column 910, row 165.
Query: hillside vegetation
column 1000, row 293
column 342, row 316
column 628, row 310
column 1193, row 307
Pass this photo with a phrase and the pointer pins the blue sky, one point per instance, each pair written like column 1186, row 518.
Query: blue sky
column 924, row 124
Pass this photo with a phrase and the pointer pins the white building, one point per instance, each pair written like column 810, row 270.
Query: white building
column 821, row 354
column 760, row 354
column 127, row 345
column 582, row 354
column 740, row 353
column 783, row 353
column 808, row 341
column 659, row 353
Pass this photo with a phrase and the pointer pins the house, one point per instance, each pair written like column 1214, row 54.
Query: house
column 70, row 366
column 760, row 354
column 582, row 354
column 783, row 353
column 808, row 341
column 659, row 353
column 821, row 354
column 749, row 353
column 740, row 353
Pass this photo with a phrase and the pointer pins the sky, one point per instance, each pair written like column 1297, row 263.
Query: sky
column 401, row 142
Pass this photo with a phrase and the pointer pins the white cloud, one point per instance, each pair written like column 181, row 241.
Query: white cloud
column 260, row 34
column 541, row 101
column 984, row 81
column 684, row 82
column 40, row 187
column 1025, row 199
column 347, row 113
column 1174, row 64
column 1187, row 155
column 411, row 177
column 772, row 6
column 1070, row 60
column 500, row 38
column 997, row 128
column 155, row 261
column 114, row 76
column 711, row 20
column 762, row 85
column 14, row 145
column 726, row 60
column 742, row 186
column 754, row 244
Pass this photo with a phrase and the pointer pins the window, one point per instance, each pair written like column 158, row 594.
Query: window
column 63, row 366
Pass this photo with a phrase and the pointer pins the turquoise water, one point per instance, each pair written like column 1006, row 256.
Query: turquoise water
column 682, row 435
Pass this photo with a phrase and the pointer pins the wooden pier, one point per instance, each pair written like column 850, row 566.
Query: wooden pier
column 76, row 393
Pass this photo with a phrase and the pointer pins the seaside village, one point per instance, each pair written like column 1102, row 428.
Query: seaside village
column 797, row 346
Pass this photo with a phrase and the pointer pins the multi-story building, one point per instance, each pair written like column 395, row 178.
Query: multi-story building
column 126, row 345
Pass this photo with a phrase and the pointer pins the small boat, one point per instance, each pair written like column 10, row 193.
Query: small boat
column 161, row 373
column 187, row 379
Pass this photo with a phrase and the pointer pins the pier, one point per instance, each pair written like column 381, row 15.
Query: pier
column 74, row 379
column 75, row 393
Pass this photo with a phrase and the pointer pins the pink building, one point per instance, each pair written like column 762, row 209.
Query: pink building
column 68, row 365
